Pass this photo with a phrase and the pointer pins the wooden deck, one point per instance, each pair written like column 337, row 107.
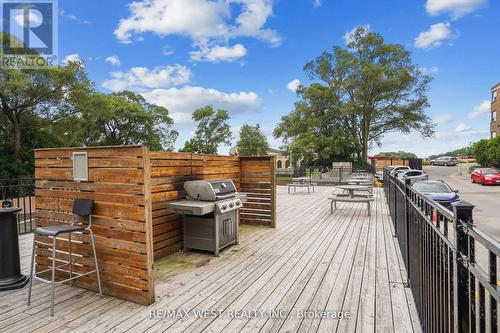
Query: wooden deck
column 312, row 261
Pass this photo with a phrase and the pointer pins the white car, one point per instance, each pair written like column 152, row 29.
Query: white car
column 398, row 169
column 413, row 175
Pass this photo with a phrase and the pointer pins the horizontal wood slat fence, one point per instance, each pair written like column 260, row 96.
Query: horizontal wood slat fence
column 258, row 180
column 169, row 171
column 131, row 186
column 118, row 186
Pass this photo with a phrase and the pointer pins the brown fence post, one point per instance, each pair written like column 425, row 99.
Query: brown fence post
column 148, row 216
column 464, row 308
column 272, row 162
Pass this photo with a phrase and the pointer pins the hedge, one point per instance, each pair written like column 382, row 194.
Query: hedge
column 487, row 152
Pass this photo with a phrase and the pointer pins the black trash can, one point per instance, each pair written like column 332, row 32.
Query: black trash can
column 10, row 265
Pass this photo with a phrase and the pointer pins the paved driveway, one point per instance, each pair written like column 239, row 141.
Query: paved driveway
column 485, row 198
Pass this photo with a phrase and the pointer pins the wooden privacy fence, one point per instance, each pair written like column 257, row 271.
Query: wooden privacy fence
column 123, row 231
column 379, row 163
column 258, row 180
column 169, row 171
column 131, row 186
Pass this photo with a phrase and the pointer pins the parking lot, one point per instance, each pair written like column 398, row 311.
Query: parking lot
column 485, row 198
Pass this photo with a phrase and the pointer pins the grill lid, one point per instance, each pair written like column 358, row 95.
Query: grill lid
column 210, row 190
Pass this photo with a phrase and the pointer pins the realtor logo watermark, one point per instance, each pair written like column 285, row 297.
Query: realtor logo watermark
column 30, row 31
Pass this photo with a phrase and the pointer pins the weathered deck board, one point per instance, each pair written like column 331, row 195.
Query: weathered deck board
column 313, row 260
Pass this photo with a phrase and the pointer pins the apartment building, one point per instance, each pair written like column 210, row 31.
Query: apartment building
column 495, row 108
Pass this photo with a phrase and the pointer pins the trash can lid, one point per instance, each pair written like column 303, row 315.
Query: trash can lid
column 9, row 210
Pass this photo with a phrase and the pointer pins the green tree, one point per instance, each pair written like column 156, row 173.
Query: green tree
column 487, row 152
column 375, row 89
column 50, row 93
column 399, row 154
column 126, row 119
column 481, row 152
column 212, row 131
column 316, row 129
column 465, row 151
column 252, row 142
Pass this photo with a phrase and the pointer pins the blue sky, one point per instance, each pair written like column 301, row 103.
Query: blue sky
column 244, row 55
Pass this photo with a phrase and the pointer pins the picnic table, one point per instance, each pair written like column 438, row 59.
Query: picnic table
column 301, row 182
column 360, row 176
column 352, row 188
column 359, row 181
column 351, row 197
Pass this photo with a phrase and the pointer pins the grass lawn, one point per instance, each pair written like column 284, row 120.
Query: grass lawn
column 283, row 178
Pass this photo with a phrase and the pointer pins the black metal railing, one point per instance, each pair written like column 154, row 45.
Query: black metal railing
column 21, row 193
column 327, row 174
column 452, row 292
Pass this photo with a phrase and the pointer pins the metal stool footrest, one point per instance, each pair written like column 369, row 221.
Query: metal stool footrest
column 76, row 275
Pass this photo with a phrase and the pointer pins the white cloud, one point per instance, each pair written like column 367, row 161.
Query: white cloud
column 142, row 78
column 200, row 20
column 167, row 50
column 434, row 37
column 317, row 3
column 72, row 58
column 462, row 128
column 429, row 70
column 72, row 17
column 293, row 85
column 34, row 18
column 443, row 119
column 113, row 60
column 181, row 102
column 479, row 110
column 439, row 143
column 219, row 53
column 456, row 8
column 348, row 36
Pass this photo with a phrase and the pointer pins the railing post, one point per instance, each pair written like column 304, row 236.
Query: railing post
column 395, row 203
column 464, row 308
column 407, row 228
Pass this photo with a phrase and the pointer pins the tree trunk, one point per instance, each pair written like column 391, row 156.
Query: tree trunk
column 364, row 140
column 364, row 155
column 17, row 140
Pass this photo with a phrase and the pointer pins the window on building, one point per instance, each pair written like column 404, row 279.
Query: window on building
column 280, row 164
column 287, row 164
column 494, row 96
column 493, row 116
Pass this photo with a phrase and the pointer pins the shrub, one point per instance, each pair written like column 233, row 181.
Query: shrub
column 487, row 152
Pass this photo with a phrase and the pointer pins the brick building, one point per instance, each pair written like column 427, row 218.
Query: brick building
column 495, row 108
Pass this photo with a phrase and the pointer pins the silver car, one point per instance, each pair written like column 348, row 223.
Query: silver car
column 445, row 161
column 414, row 176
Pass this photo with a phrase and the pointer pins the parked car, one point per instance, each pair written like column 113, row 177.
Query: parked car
column 485, row 176
column 414, row 176
column 398, row 168
column 439, row 191
column 445, row 161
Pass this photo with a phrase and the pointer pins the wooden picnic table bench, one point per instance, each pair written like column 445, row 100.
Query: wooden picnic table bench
column 300, row 184
column 354, row 199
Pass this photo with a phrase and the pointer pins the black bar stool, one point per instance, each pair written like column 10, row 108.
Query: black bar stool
column 82, row 208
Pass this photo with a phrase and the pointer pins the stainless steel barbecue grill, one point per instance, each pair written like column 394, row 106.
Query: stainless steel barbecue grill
column 210, row 212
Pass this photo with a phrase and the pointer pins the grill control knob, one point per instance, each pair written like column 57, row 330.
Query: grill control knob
column 237, row 203
column 231, row 205
column 224, row 207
